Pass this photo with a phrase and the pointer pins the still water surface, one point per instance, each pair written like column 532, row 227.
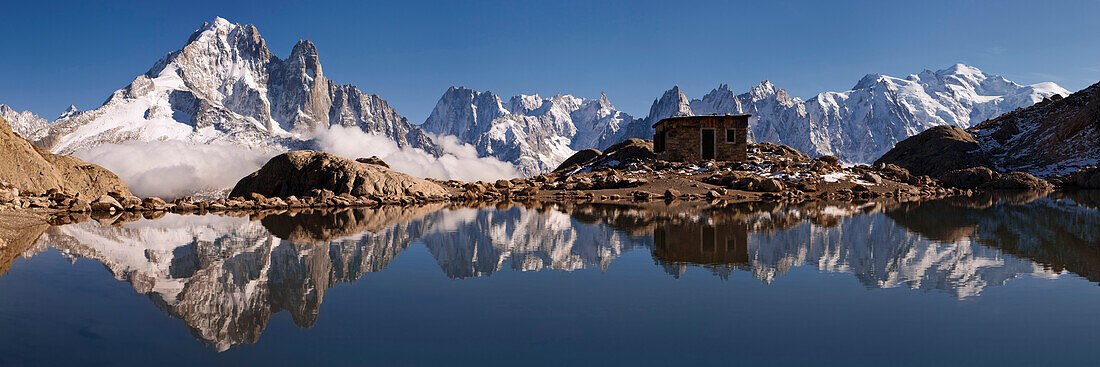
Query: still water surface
column 988, row 280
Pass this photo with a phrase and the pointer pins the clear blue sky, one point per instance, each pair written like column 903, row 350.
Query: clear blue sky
column 60, row 52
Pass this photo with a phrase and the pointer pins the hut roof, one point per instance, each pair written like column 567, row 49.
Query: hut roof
column 696, row 118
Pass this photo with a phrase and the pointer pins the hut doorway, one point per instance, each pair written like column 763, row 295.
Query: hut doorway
column 708, row 144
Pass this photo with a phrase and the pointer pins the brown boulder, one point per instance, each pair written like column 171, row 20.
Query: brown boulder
column 301, row 172
column 830, row 160
column 771, row 185
column 968, row 178
column 153, row 203
column 1017, row 181
column 33, row 169
column 1085, row 178
column 578, row 158
column 373, row 160
column 628, row 151
column 935, row 151
column 105, row 203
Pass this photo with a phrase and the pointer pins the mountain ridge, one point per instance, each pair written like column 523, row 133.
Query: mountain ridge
column 225, row 85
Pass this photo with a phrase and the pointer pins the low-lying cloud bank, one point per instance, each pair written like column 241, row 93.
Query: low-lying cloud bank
column 171, row 169
column 459, row 161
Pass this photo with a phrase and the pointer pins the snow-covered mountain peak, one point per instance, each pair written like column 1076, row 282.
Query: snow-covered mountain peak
column 860, row 124
column 868, row 81
column 225, row 85
column 534, row 133
column 963, row 70
column 604, row 102
column 69, row 112
column 764, row 88
column 26, row 124
column 672, row 103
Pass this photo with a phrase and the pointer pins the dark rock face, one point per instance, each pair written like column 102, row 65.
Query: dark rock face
column 935, row 152
column 1016, row 181
column 626, row 152
column 968, row 178
column 297, row 173
column 1056, row 136
column 373, row 160
column 577, row 158
column 1085, row 178
column 630, row 150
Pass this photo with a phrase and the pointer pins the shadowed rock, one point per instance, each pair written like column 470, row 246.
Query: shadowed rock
column 578, row 158
column 935, row 152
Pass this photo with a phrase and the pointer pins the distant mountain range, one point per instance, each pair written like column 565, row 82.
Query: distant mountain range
column 224, row 85
column 534, row 133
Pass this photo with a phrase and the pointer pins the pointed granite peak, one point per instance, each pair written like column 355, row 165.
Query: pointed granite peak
column 68, row 112
column 603, row 100
column 305, row 54
column 218, row 25
column 304, row 48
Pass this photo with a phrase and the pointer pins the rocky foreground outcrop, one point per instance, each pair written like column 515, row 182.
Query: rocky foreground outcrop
column 936, row 151
column 304, row 172
column 31, row 171
column 1053, row 138
column 1085, row 178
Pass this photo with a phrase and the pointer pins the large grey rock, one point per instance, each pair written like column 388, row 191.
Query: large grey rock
column 299, row 172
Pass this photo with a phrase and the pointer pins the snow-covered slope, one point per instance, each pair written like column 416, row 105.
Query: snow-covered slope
column 1051, row 138
column 534, row 133
column 26, row 124
column 225, row 85
column 860, row 124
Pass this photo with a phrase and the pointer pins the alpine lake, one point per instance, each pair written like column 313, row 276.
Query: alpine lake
column 997, row 279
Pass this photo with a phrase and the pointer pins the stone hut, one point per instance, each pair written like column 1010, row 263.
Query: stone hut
column 721, row 243
column 700, row 138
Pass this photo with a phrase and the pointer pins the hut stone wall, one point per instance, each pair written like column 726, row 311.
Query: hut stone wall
column 682, row 138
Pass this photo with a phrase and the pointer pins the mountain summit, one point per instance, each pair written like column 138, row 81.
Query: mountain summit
column 534, row 133
column 860, row 124
column 225, row 85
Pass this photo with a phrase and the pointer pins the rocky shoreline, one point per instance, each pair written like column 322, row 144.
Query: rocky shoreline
column 626, row 172
column 774, row 173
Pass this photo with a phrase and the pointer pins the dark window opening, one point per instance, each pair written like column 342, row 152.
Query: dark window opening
column 659, row 142
column 709, row 240
column 731, row 135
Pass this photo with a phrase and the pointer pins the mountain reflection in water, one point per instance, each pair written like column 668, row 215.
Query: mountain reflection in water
column 226, row 276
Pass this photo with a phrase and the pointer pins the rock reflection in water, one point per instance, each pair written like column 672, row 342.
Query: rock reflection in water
column 226, row 276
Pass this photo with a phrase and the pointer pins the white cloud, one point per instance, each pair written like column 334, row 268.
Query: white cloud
column 459, row 161
column 170, row 169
